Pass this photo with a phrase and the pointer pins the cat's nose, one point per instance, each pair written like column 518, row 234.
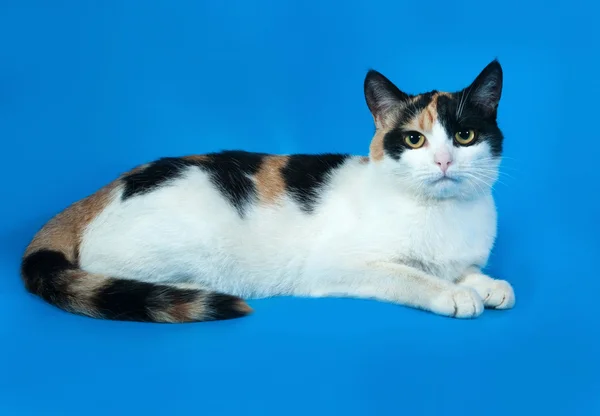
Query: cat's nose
column 443, row 160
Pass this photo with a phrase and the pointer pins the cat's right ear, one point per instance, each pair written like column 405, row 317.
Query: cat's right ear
column 381, row 95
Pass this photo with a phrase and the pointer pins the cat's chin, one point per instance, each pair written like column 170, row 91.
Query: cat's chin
column 445, row 187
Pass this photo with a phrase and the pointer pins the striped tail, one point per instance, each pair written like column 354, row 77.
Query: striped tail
column 50, row 275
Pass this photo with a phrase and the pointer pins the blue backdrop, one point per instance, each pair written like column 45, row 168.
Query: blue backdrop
column 89, row 89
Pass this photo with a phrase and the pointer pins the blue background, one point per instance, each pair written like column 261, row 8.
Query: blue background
column 89, row 89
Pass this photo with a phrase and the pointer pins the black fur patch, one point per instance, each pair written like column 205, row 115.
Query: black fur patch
column 41, row 272
column 153, row 176
column 130, row 300
column 470, row 117
column 229, row 171
column 393, row 143
column 305, row 176
column 220, row 306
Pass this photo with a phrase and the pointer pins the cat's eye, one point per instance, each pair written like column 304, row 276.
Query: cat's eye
column 414, row 139
column 465, row 137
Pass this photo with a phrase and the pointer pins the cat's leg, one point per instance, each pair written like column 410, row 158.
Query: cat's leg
column 496, row 294
column 396, row 283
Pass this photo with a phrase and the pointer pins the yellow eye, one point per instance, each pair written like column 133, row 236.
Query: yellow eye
column 465, row 137
column 414, row 140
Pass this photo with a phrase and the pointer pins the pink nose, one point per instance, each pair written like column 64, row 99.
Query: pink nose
column 443, row 160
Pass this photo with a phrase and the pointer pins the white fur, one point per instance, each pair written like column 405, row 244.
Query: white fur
column 382, row 231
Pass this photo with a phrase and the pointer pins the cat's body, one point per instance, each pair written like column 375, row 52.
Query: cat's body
column 189, row 232
column 183, row 239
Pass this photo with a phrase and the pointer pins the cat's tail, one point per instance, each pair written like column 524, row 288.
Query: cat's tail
column 51, row 275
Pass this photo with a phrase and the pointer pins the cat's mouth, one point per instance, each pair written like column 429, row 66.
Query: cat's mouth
column 444, row 179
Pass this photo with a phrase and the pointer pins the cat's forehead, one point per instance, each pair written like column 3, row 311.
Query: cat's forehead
column 421, row 112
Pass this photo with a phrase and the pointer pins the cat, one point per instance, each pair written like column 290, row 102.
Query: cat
column 187, row 239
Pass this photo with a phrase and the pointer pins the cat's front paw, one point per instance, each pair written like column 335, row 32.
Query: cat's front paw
column 496, row 294
column 458, row 302
column 501, row 295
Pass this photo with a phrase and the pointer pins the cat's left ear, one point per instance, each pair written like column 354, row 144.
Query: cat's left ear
column 486, row 90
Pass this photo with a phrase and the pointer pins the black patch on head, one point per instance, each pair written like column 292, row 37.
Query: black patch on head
column 393, row 141
column 306, row 175
column 153, row 176
column 220, row 306
column 475, row 107
column 130, row 300
column 42, row 272
column 470, row 116
column 229, row 172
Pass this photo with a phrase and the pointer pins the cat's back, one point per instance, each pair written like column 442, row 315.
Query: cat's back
column 234, row 185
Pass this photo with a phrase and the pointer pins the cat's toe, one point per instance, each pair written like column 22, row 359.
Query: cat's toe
column 502, row 295
column 496, row 294
column 458, row 302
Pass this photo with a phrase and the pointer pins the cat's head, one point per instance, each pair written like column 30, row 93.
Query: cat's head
column 437, row 144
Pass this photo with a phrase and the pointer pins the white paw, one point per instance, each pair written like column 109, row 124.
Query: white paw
column 458, row 302
column 496, row 294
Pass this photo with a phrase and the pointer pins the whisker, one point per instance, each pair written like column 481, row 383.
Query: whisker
column 501, row 174
column 488, row 174
column 492, row 172
column 476, row 184
column 496, row 180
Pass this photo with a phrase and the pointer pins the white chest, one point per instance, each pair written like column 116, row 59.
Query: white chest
column 442, row 238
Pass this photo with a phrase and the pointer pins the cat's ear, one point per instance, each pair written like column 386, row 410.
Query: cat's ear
column 381, row 95
column 486, row 90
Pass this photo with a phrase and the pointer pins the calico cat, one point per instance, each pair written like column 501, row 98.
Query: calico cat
column 185, row 239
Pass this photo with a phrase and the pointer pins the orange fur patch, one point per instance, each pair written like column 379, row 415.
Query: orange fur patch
column 82, row 288
column 423, row 122
column 181, row 312
column 243, row 307
column 269, row 180
column 63, row 232
column 196, row 158
column 427, row 117
column 376, row 151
